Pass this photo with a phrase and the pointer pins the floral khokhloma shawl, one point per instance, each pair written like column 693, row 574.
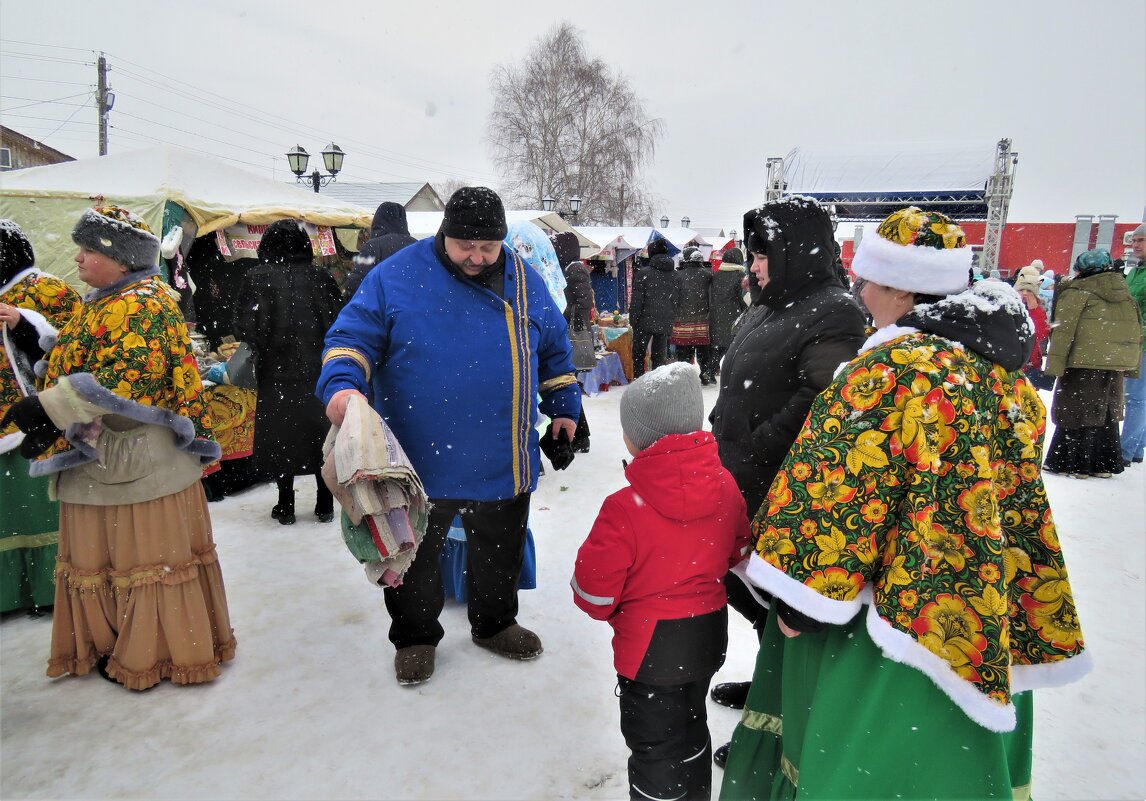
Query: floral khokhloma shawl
column 915, row 487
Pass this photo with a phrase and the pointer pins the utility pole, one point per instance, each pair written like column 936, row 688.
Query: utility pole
column 102, row 100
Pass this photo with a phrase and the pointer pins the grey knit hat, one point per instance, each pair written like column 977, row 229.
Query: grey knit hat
column 119, row 234
column 664, row 401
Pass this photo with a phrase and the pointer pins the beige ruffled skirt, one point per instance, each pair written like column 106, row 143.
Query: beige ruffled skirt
column 140, row 583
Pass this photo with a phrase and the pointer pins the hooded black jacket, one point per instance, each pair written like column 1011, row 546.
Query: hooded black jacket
column 804, row 324
column 578, row 296
column 389, row 233
column 652, row 308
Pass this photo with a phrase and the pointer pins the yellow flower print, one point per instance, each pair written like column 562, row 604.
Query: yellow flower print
column 779, row 495
column 836, row 583
column 1029, row 471
column 132, row 340
column 874, row 511
column 959, row 367
column 1048, row 533
column 800, row 471
column 920, row 359
column 908, row 598
column 948, row 628
column 939, row 544
column 865, row 386
column 1015, row 560
column 117, row 314
column 981, row 509
column 774, row 544
column 830, row 490
column 989, row 572
column 991, row 603
column 921, row 424
column 1050, row 609
column 808, row 528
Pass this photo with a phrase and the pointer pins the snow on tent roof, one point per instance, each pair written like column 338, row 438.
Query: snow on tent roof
column 870, row 183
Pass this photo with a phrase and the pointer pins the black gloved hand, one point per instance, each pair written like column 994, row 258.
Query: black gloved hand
column 796, row 620
column 581, row 435
column 39, row 432
column 559, row 451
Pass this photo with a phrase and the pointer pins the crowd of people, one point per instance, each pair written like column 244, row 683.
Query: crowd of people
column 869, row 494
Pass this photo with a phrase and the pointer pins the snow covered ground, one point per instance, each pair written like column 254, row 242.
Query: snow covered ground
column 310, row 709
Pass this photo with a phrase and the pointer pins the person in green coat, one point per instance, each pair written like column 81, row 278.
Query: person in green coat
column 1134, row 422
column 1095, row 342
column 920, row 589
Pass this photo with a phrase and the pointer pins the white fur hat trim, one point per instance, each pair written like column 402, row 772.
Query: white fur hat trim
column 913, row 268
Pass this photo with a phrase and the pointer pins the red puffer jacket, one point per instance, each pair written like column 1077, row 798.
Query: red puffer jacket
column 654, row 562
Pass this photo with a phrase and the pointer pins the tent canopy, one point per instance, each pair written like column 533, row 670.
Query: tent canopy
column 870, row 183
column 47, row 201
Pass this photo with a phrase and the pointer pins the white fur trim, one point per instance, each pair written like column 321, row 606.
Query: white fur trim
column 886, row 334
column 741, row 572
column 798, row 595
column 11, row 442
column 1050, row 674
column 45, row 331
column 913, row 268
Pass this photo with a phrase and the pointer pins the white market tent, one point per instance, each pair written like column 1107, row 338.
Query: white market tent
column 47, row 201
column 620, row 242
column 424, row 224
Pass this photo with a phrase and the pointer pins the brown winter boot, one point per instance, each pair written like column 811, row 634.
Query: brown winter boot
column 514, row 642
column 414, row 664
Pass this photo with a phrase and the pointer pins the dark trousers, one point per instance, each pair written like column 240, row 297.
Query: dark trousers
column 641, row 342
column 685, row 353
column 495, row 547
column 666, row 730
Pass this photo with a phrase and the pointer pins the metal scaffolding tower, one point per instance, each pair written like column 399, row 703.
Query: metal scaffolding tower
column 1000, row 186
column 775, row 183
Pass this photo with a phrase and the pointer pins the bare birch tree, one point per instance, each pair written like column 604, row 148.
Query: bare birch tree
column 564, row 124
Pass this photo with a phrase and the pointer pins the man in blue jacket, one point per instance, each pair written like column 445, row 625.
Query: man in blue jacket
column 453, row 338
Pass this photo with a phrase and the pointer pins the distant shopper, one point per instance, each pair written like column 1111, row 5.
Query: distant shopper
column 652, row 307
column 1028, row 288
column 1134, row 424
column 389, row 233
column 725, row 305
column 690, row 327
column 285, row 306
column 652, row 566
column 1095, row 343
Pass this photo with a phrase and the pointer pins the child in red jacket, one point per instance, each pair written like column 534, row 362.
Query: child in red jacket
column 653, row 565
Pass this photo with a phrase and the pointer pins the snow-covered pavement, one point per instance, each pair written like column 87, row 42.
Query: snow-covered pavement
column 310, row 709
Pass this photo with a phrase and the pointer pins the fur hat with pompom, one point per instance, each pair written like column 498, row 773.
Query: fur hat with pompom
column 119, row 234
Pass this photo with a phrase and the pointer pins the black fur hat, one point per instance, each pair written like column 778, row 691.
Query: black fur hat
column 474, row 213
column 658, row 247
column 283, row 242
column 733, row 256
column 15, row 251
column 119, row 234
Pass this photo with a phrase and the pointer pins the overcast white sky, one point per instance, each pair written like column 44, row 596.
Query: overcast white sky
column 403, row 87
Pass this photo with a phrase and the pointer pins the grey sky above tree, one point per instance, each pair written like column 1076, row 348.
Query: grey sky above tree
column 563, row 124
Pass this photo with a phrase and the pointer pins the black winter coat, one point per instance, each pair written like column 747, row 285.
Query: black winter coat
column 578, row 296
column 802, row 326
column 284, row 311
column 725, row 304
column 694, row 278
column 652, row 308
column 389, row 233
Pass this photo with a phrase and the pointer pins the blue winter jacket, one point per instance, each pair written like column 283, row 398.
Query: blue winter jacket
column 455, row 370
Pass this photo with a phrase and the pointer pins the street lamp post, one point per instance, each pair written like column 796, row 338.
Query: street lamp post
column 549, row 204
column 684, row 221
column 665, row 221
column 332, row 158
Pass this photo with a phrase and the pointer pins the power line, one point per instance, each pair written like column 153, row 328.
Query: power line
column 45, row 80
column 39, row 102
column 51, row 59
column 41, row 44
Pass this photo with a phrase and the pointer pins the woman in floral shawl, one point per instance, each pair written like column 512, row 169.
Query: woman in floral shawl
column 919, row 582
column 121, row 426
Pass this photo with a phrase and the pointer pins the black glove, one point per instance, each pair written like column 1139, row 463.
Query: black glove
column 581, row 435
column 559, row 451
column 39, row 432
column 796, row 620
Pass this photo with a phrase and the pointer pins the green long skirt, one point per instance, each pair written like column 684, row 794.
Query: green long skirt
column 829, row 717
column 29, row 533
